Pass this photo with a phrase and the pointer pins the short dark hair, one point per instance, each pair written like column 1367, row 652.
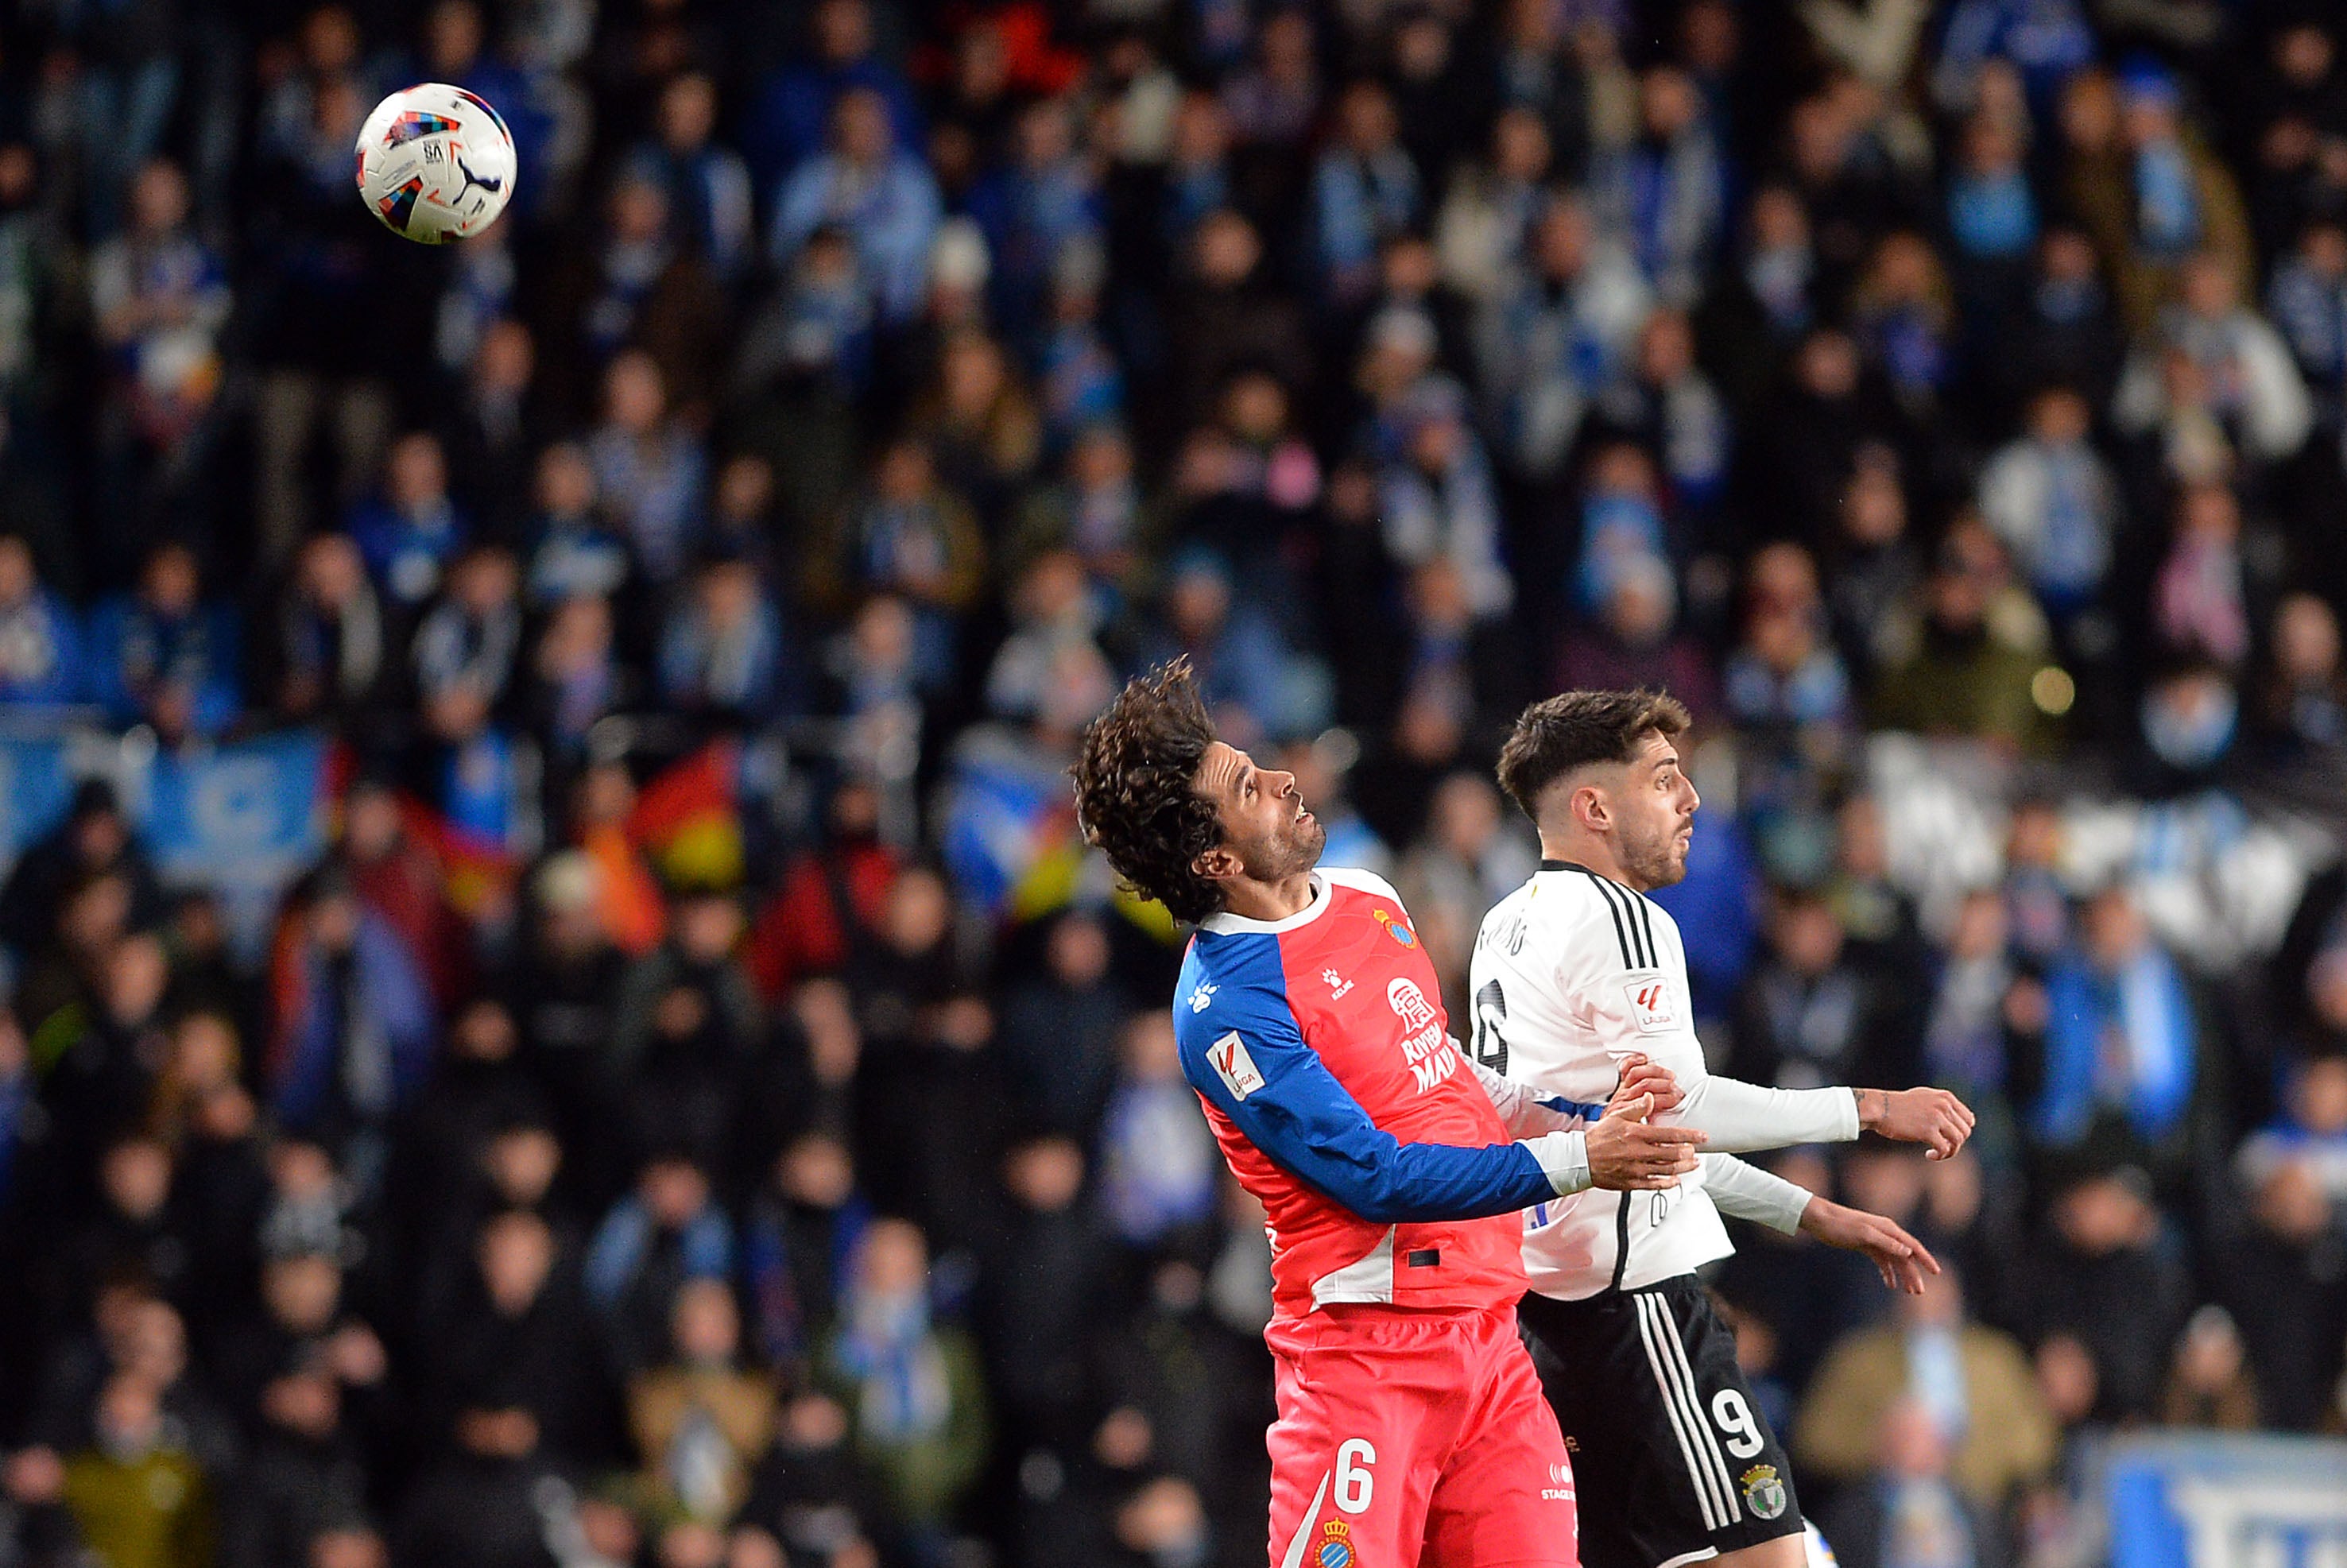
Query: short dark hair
column 1558, row 735
column 1136, row 793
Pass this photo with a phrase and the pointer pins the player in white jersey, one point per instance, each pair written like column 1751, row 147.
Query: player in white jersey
column 1574, row 973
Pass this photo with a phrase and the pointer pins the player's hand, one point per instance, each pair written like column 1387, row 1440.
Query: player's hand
column 1933, row 1117
column 1902, row 1259
column 1627, row 1153
column 1641, row 1077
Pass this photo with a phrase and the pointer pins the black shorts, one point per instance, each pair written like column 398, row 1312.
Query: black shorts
column 1671, row 1458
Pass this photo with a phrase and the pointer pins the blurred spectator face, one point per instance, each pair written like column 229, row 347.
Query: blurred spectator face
column 2291, row 1206
column 1165, row 1522
column 1365, row 118
column 1464, row 815
column 688, row 112
column 485, row 581
column 1641, row 602
column 842, row 31
column 1149, row 1049
column 1077, row 951
column 158, row 198
column 1666, row 348
column 484, row 1033
column 569, row 885
column 1942, row 1305
column 973, row 377
column 1669, row 102
column 1286, row 47
column 729, row 596
column 1201, row 132
column 2066, row 1378
column 170, row 583
column 1981, row 926
column 1873, row 505
column 2105, row 1215
column 566, row 481
column 635, row 399
column 744, row 490
column 639, row 212
column 308, row 1402
column 707, row 927
column 1560, row 237
column 1101, row 457
column 1045, row 135
column 2210, row 1355
column 816, row 1171
column 1992, row 146
column 1887, row 1182
column 2318, row 1096
column 329, row 571
column 1226, row 250
column 1045, row 1174
column 371, row 829
column 348, row 1546
column 893, row 1263
column 301, row 1292
column 919, row 912
column 521, row 1163
column 2115, row 930
column 707, row 1327
column 154, row 1347
column 204, row 1052
column 1806, row 934
column 330, row 41
column 2059, row 417
column 1911, row 1445
column 507, row 358
column 1779, row 221
column 516, row 1253
column 137, row 973
column 17, row 577
column 2206, row 287
column 2306, row 641
column 2068, row 257
column 674, row 1191
column 135, row 1174
column 1255, row 409
column 93, row 918
column 2090, row 112
column 416, row 473
column 129, row 1418
column 1198, row 603
column 452, row 39
column 1421, row 48
column 860, row 128
column 1827, row 367
column 905, row 474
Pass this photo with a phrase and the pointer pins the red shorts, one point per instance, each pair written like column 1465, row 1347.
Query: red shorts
column 1408, row 1436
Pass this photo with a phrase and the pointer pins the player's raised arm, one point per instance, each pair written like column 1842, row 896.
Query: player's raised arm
column 1254, row 1065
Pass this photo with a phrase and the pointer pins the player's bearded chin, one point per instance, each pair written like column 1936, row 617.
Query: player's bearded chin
column 1285, row 851
column 1651, row 855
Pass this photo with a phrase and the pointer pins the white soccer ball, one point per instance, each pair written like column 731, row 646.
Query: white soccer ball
column 435, row 163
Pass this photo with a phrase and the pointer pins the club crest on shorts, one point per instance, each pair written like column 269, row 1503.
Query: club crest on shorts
column 1763, row 1492
column 1337, row 1550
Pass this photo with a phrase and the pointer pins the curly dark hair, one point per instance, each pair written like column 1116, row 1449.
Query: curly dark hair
column 1557, row 734
column 1135, row 794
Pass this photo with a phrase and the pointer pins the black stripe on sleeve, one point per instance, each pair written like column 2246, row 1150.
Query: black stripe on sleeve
column 1647, row 919
column 1621, row 932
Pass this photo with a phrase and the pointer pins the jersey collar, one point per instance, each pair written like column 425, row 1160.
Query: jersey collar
column 1229, row 925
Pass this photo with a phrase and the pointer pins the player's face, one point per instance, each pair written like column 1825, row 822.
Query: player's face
column 1655, row 816
column 1265, row 824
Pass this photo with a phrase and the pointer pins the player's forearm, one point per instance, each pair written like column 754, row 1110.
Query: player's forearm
column 1743, row 1117
column 1428, row 1183
column 1524, row 1111
column 1748, row 1192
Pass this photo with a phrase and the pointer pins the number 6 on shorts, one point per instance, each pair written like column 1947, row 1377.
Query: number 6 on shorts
column 1354, row 1485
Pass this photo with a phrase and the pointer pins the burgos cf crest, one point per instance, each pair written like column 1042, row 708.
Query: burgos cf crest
column 1763, row 1492
column 1395, row 928
column 1336, row 1550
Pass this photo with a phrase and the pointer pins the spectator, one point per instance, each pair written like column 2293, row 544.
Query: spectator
column 2123, row 1040
column 40, row 646
column 920, row 1414
column 410, row 534
column 2054, row 504
column 2122, row 1301
column 709, row 196
column 161, row 655
column 1910, row 1510
column 330, row 636
column 878, row 194
column 1365, row 188
column 468, row 646
column 1969, row 1383
column 138, row 1496
column 650, row 470
column 668, row 1231
column 700, row 1424
column 723, row 654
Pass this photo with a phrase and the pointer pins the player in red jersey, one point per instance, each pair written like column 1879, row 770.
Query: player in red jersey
column 1412, row 1425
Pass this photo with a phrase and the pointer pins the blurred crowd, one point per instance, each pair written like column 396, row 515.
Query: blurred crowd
column 705, row 1108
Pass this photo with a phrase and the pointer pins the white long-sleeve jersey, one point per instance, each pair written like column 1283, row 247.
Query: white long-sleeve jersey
column 1572, row 973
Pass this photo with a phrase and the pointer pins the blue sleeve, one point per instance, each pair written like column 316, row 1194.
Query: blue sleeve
column 1306, row 1121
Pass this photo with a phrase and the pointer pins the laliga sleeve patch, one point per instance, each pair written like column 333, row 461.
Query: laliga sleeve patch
column 1234, row 1066
column 1651, row 1010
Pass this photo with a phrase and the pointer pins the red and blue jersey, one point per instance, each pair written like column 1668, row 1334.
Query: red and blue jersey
column 1320, row 1048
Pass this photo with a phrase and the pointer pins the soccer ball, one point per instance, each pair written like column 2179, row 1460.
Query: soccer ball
column 435, row 163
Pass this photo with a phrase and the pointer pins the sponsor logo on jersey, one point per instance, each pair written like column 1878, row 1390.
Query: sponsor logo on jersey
column 1763, row 1492
column 1398, row 929
column 1409, row 1003
column 1204, row 997
column 1428, row 1048
column 1228, row 1057
column 1650, row 1005
column 1560, row 1484
column 1337, row 1552
column 1338, row 984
